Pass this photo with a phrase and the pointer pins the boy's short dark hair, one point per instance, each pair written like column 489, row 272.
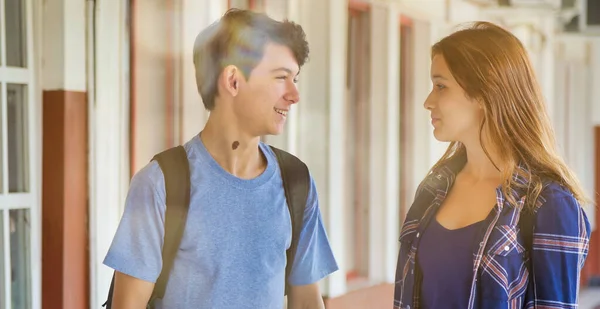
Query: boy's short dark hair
column 239, row 39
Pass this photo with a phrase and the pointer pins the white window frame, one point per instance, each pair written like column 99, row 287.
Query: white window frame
column 31, row 199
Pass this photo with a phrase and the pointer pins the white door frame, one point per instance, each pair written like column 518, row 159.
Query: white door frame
column 108, row 114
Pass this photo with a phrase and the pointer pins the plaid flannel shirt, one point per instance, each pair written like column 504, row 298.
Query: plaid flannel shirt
column 502, row 275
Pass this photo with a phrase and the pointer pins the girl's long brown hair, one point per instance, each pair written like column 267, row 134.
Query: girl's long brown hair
column 492, row 66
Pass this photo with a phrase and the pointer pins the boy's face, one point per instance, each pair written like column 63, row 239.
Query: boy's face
column 264, row 100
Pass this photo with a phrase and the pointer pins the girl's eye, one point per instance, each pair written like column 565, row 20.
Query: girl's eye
column 440, row 86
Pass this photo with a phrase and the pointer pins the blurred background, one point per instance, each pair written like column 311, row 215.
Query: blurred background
column 91, row 90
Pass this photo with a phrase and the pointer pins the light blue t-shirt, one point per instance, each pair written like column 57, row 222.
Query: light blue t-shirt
column 233, row 251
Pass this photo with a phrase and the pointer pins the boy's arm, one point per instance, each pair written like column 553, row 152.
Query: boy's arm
column 314, row 257
column 136, row 250
column 131, row 292
column 305, row 297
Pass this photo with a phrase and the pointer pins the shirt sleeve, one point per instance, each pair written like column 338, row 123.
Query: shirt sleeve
column 314, row 258
column 137, row 245
column 560, row 247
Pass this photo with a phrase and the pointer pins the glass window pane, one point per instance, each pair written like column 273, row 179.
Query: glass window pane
column 16, row 33
column 20, row 258
column 18, row 158
column 2, row 276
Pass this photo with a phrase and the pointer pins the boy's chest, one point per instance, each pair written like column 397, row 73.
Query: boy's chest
column 225, row 223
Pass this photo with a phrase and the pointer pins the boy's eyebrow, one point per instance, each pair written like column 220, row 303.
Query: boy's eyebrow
column 287, row 70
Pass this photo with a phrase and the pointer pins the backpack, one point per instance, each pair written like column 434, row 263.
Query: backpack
column 527, row 226
column 175, row 167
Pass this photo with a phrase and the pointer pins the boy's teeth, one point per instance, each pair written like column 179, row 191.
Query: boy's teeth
column 281, row 112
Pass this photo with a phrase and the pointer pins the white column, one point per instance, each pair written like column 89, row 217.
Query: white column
column 594, row 94
column 575, row 111
column 581, row 146
column 195, row 15
column 424, row 10
column 595, row 78
column 557, row 117
column 422, row 86
column 63, row 42
column 546, row 70
column 384, row 143
column 437, row 32
column 279, row 10
column 461, row 11
column 293, row 120
column 321, row 117
column 108, row 97
column 392, row 204
column 36, row 25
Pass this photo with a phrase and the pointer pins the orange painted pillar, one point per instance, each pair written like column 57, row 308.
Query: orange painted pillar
column 65, row 258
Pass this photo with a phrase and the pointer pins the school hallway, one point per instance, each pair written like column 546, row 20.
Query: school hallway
column 91, row 90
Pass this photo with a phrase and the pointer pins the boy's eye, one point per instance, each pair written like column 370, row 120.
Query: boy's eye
column 440, row 86
column 285, row 77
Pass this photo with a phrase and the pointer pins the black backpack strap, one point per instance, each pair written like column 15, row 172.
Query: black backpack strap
column 108, row 302
column 296, row 182
column 527, row 227
column 176, row 170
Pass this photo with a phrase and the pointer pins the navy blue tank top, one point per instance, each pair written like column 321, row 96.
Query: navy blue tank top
column 445, row 258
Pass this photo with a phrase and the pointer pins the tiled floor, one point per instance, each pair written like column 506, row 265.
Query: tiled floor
column 590, row 298
column 375, row 297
